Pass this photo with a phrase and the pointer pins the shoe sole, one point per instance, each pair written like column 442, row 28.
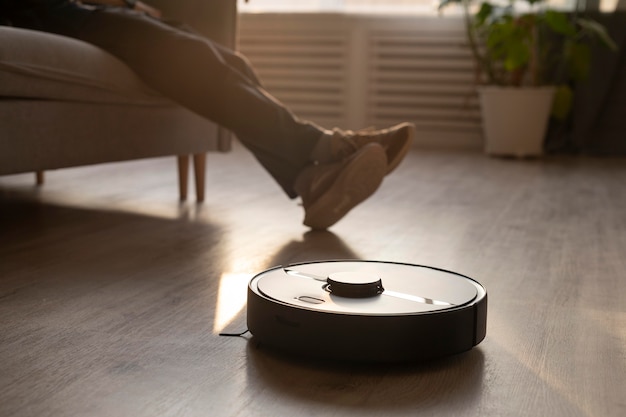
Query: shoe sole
column 357, row 181
column 398, row 149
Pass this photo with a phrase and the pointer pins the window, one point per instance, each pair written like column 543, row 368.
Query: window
column 348, row 6
column 376, row 6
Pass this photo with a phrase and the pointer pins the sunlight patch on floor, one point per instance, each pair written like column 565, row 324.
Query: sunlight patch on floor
column 231, row 298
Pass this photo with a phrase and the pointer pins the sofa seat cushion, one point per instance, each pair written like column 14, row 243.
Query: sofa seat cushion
column 40, row 65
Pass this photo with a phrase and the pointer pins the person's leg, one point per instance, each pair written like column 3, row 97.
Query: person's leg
column 232, row 57
column 200, row 75
column 219, row 85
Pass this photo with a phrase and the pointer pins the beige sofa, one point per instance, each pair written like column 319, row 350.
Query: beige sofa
column 65, row 103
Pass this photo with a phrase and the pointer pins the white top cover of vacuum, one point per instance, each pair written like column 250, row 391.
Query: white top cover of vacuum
column 407, row 289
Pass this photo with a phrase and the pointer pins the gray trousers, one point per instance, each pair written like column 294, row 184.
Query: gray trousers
column 205, row 77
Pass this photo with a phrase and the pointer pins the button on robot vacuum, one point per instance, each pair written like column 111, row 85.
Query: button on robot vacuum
column 311, row 300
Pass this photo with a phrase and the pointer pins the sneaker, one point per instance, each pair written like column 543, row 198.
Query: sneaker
column 330, row 191
column 395, row 140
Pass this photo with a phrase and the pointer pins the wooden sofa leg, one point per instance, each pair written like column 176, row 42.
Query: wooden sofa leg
column 183, row 176
column 199, row 168
column 39, row 177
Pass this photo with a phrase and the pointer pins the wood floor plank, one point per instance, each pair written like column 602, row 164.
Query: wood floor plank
column 112, row 292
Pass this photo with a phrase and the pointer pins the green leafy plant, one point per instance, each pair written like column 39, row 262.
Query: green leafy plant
column 525, row 43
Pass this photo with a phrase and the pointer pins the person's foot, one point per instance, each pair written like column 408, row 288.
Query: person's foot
column 396, row 141
column 330, row 191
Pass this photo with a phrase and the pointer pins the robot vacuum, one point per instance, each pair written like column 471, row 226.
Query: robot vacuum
column 366, row 311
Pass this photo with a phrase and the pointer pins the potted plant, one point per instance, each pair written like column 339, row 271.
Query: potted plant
column 527, row 56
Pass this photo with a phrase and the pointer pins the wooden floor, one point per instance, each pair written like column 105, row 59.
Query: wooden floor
column 112, row 293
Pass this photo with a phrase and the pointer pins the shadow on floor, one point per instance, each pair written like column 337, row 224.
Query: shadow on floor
column 369, row 386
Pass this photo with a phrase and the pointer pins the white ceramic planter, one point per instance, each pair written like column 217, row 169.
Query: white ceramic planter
column 515, row 119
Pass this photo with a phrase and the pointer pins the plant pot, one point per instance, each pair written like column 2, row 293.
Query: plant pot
column 515, row 119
